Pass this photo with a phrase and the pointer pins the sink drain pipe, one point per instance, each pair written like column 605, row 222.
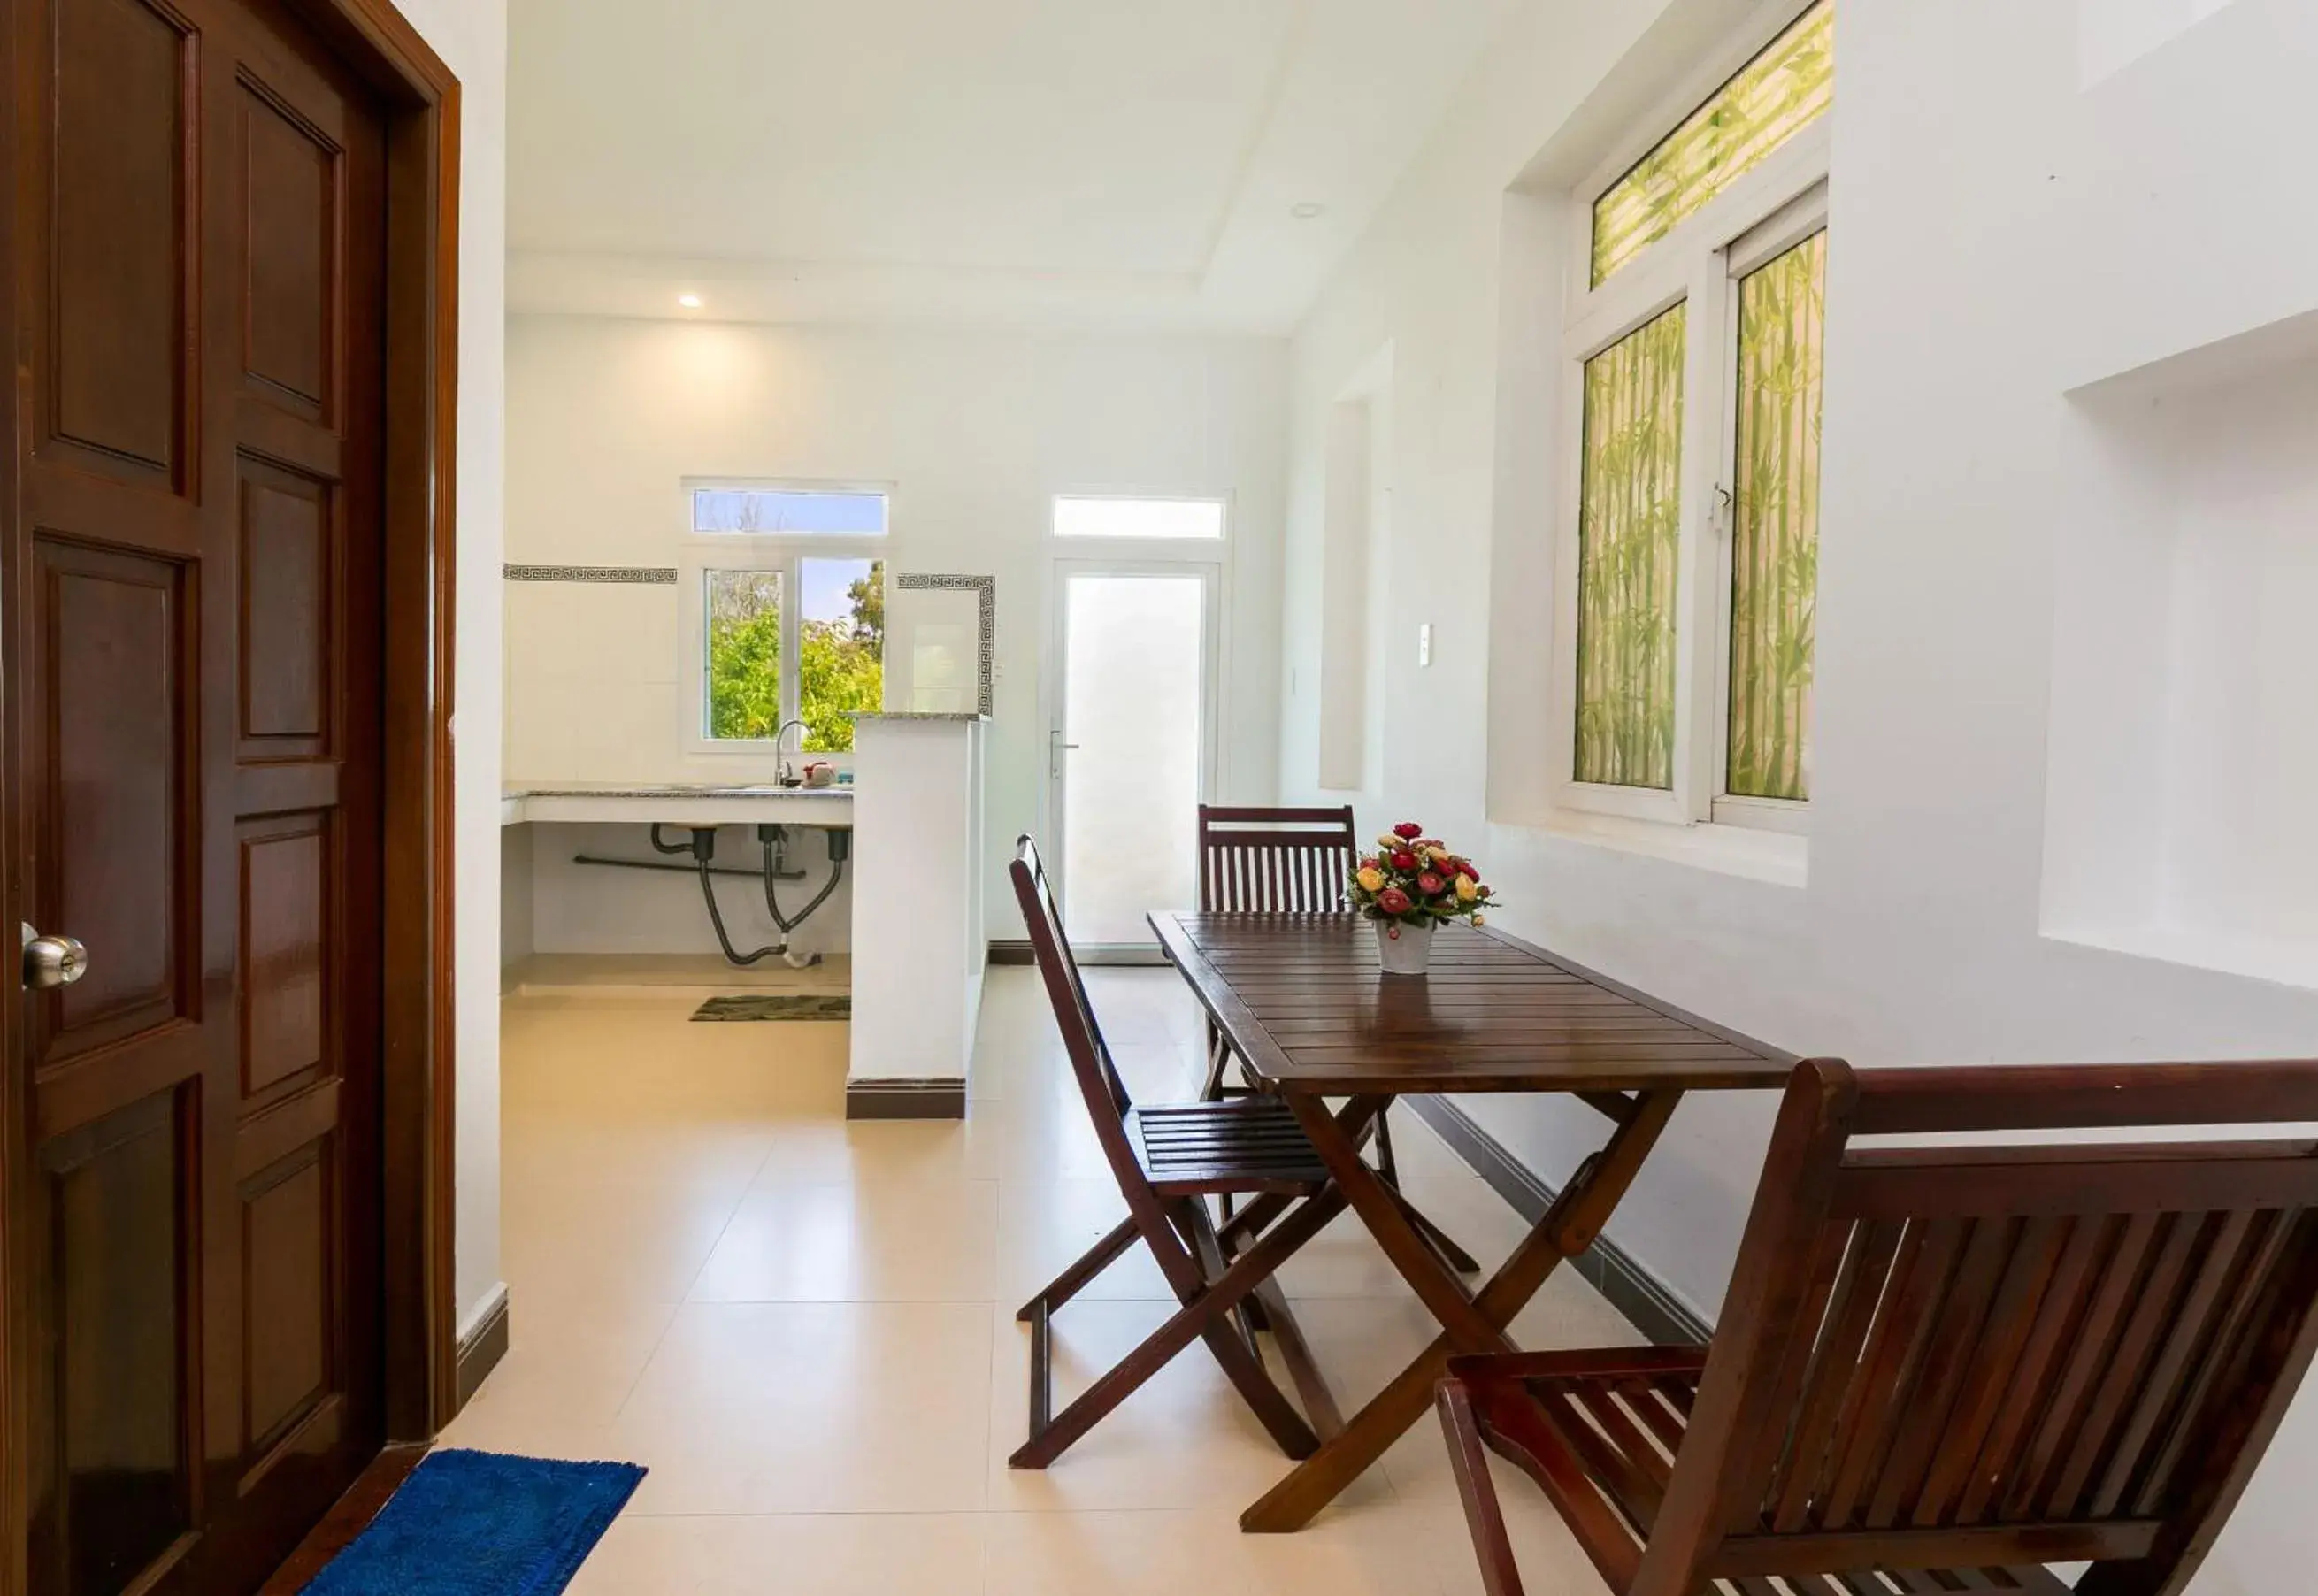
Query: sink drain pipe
column 703, row 851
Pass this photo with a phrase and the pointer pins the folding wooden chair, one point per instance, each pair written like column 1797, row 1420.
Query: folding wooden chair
column 1289, row 861
column 1167, row 1158
column 1272, row 861
column 1941, row 1368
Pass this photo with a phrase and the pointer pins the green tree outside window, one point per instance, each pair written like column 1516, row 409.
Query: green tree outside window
column 840, row 657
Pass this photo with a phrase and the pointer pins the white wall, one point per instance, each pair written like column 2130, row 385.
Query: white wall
column 2004, row 235
column 470, row 36
column 977, row 431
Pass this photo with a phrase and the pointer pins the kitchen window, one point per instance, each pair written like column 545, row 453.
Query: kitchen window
column 785, row 612
column 1690, row 545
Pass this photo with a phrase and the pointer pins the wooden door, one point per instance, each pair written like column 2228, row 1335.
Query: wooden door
column 192, row 683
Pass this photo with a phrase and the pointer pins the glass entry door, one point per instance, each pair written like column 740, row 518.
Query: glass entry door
column 1131, row 746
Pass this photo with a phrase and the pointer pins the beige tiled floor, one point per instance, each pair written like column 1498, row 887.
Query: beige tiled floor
column 804, row 1328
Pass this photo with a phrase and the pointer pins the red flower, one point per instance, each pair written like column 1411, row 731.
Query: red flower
column 1393, row 901
column 1408, row 831
column 1404, row 861
column 1431, row 885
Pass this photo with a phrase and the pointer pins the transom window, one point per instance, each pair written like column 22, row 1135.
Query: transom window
column 1784, row 89
column 1156, row 520
column 809, row 512
column 786, row 593
column 1690, row 557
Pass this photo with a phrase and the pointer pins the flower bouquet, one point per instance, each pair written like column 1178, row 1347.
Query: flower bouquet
column 1408, row 887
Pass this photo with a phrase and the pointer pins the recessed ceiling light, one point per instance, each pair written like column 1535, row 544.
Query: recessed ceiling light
column 1307, row 211
column 690, row 301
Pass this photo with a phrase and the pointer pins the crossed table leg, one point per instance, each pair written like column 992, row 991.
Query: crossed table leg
column 1471, row 1321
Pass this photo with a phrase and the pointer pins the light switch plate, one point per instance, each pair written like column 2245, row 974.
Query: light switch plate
column 1425, row 644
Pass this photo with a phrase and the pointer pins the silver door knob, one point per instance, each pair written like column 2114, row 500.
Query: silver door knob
column 52, row 961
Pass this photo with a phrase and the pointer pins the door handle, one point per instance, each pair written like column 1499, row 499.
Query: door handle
column 1055, row 748
column 52, row 961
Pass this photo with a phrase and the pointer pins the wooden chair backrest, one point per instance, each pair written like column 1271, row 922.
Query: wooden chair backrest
column 1275, row 861
column 2025, row 1348
column 1107, row 1098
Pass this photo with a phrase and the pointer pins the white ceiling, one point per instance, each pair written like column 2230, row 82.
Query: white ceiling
column 1131, row 162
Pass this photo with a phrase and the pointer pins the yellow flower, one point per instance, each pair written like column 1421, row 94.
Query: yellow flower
column 1478, row 920
column 1390, row 843
column 1467, row 888
column 1371, row 881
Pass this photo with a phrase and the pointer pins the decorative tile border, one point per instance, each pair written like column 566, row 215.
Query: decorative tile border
column 642, row 576
column 986, row 587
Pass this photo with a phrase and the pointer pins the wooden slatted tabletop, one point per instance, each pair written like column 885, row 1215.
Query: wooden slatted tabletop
column 1303, row 1002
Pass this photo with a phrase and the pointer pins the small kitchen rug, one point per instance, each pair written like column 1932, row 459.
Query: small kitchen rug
column 775, row 1005
column 482, row 1524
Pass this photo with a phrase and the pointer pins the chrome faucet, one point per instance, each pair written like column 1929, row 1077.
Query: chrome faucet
column 784, row 772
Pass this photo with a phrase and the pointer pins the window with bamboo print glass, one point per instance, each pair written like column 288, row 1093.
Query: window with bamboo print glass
column 1629, row 557
column 1782, row 91
column 1775, row 522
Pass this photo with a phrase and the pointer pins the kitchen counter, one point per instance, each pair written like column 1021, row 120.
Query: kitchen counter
column 679, row 806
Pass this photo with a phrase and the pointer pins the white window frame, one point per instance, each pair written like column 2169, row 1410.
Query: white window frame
column 783, row 552
column 1699, row 263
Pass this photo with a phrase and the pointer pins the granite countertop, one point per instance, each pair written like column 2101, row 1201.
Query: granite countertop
column 678, row 790
column 960, row 716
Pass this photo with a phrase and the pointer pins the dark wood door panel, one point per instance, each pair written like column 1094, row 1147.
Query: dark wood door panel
column 116, row 1469
column 295, row 178
column 291, row 1342
column 289, row 537
column 285, row 910
column 309, row 159
column 112, row 699
column 122, row 274
column 202, row 207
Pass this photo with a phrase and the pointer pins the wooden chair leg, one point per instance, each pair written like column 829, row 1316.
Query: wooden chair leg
column 1074, row 1280
column 1256, row 1313
column 1042, row 1364
column 1483, row 1517
column 1198, row 1231
column 1198, row 1317
column 1212, row 1091
column 1244, row 1360
column 1263, row 1395
column 1320, row 1409
column 1218, row 1063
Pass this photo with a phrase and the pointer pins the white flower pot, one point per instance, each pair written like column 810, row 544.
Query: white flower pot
column 1405, row 949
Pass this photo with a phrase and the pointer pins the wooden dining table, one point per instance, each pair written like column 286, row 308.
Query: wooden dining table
column 1304, row 1004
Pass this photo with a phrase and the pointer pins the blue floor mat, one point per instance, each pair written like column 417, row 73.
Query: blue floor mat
column 481, row 1524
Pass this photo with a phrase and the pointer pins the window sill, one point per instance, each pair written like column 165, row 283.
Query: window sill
column 1780, row 858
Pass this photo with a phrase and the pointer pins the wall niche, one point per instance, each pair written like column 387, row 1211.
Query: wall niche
column 2182, row 804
